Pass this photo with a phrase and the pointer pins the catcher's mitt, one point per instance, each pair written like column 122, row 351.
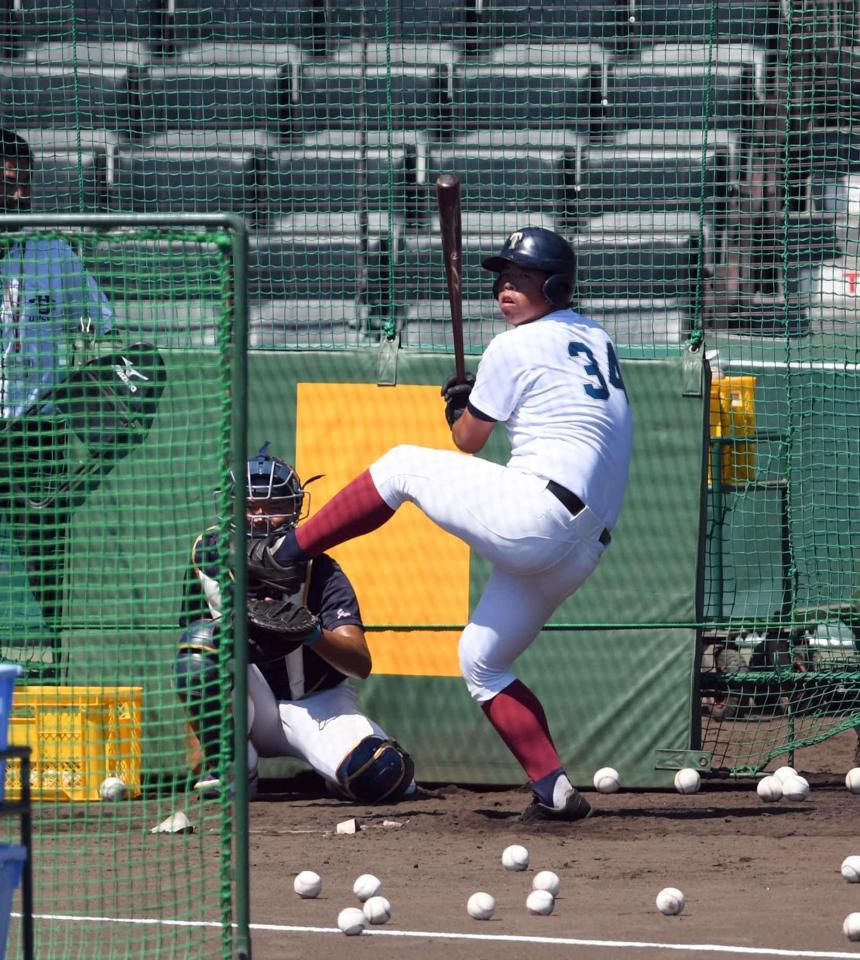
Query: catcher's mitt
column 277, row 627
column 263, row 568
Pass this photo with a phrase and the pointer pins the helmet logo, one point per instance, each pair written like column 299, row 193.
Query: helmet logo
column 126, row 372
column 515, row 239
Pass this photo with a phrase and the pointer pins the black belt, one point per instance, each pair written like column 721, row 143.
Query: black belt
column 575, row 505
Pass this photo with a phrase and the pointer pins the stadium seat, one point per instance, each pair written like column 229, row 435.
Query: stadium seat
column 53, row 96
column 89, row 19
column 626, row 178
column 69, row 182
column 200, row 181
column 333, row 278
column 679, row 96
column 214, row 138
column 348, row 96
column 752, row 56
column 413, row 21
column 95, row 53
column 632, row 223
column 522, row 95
column 514, row 179
column 403, row 54
column 210, row 96
column 231, row 54
column 310, row 179
column 421, row 276
column 259, row 21
column 726, row 142
column 590, row 21
column 641, row 287
column 744, row 21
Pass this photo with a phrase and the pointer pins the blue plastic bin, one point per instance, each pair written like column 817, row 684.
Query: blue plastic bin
column 12, row 857
column 9, row 673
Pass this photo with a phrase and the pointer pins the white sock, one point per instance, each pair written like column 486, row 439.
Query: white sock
column 561, row 791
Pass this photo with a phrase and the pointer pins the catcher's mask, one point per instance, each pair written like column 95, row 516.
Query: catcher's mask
column 274, row 482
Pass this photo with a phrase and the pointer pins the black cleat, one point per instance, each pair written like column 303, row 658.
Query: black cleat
column 576, row 807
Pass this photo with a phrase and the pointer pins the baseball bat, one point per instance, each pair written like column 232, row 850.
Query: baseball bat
column 448, row 196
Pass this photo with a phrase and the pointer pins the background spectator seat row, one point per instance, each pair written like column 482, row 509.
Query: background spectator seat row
column 293, row 99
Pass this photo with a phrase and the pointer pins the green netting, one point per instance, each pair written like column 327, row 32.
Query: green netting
column 116, row 454
column 700, row 157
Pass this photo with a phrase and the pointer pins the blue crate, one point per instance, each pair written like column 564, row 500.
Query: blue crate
column 12, row 858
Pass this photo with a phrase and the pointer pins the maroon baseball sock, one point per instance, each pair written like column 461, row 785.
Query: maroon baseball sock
column 518, row 716
column 355, row 510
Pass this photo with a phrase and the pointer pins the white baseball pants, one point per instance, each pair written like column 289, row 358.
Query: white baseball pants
column 540, row 553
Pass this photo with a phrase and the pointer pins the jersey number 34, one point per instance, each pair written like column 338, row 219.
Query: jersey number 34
column 598, row 389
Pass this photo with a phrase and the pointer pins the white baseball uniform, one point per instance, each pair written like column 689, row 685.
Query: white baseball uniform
column 556, row 384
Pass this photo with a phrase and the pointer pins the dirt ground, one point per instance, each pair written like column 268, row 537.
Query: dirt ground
column 758, row 878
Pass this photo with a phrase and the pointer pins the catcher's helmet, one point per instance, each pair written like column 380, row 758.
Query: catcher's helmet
column 537, row 249
column 274, row 481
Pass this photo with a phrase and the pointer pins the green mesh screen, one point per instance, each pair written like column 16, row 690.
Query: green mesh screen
column 116, row 454
column 699, row 156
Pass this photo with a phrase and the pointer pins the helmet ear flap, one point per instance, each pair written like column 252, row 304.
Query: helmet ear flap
column 497, row 286
column 558, row 290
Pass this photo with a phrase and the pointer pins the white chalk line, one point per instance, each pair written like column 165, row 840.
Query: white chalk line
column 485, row 937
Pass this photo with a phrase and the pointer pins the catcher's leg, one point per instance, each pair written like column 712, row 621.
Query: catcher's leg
column 349, row 750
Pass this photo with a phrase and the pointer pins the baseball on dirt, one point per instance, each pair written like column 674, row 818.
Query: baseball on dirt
column 307, row 884
column 515, row 857
column 851, row 926
column 851, row 869
column 606, row 780
column 784, row 772
column 481, row 906
column 769, row 789
column 540, row 903
column 546, row 880
column 112, row 788
column 795, row 788
column 687, row 780
column 670, row 901
column 367, row 886
column 351, row 921
column 852, row 780
column 377, row 910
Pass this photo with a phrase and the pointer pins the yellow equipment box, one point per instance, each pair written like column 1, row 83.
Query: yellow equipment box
column 78, row 736
column 732, row 415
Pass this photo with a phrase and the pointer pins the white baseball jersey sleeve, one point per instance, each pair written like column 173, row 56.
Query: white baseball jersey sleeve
column 556, row 384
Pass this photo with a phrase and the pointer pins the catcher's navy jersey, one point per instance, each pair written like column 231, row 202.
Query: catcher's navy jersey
column 329, row 595
column 49, row 300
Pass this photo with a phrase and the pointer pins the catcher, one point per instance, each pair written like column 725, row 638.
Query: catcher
column 305, row 641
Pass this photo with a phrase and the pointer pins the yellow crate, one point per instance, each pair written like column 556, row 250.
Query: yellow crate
column 732, row 414
column 78, row 736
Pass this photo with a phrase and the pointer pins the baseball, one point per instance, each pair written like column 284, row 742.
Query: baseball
column 481, row 906
column 515, row 857
column 367, row 886
column 851, row 869
column 606, row 780
column 377, row 910
column 769, row 789
column 112, row 788
column 795, row 788
column 540, row 902
column 670, row 901
column 687, row 780
column 784, row 772
column 851, row 926
column 546, row 880
column 852, row 780
column 351, row 921
column 307, row 884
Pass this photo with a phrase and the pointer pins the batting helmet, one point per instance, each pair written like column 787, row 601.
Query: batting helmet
column 274, row 481
column 537, row 249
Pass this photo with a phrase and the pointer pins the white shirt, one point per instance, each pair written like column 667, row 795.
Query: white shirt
column 556, row 385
